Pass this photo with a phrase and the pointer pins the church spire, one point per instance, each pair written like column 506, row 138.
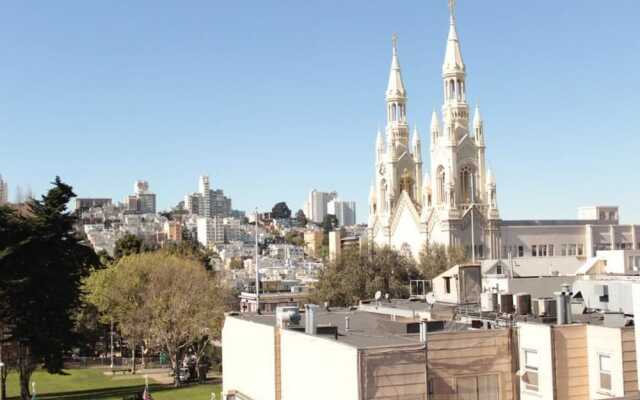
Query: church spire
column 478, row 126
column 395, row 88
column 453, row 56
column 415, row 144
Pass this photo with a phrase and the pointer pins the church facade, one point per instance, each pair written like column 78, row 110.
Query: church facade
column 453, row 200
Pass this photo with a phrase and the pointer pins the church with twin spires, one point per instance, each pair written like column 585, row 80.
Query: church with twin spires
column 454, row 201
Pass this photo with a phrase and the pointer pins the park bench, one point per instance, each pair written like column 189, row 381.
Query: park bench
column 122, row 370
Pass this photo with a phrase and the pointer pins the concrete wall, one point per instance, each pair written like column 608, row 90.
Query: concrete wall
column 603, row 340
column 537, row 337
column 317, row 368
column 543, row 286
column 248, row 359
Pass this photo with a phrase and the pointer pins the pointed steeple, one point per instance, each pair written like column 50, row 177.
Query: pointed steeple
column 379, row 141
column 478, row 127
column 415, row 144
column 435, row 122
column 453, row 56
column 395, row 88
column 477, row 118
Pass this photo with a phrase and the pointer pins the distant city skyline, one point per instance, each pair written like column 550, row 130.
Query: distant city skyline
column 272, row 101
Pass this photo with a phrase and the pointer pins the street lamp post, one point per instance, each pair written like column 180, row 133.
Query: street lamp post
column 111, row 343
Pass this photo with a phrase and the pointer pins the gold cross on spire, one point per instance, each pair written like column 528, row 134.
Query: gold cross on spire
column 394, row 42
column 452, row 8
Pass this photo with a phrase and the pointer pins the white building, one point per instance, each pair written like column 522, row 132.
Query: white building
column 456, row 202
column 408, row 209
column 4, row 191
column 345, row 211
column 315, row 207
column 207, row 202
column 143, row 200
column 210, row 231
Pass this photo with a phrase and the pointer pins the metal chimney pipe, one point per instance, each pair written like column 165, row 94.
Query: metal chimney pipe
column 561, row 308
column 566, row 289
column 423, row 331
column 311, row 319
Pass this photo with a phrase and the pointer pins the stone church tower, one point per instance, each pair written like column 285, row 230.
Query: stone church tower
column 456, row 204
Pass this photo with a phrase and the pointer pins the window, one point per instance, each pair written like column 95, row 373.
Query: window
column 563, row 250
column 551, row 250
column 499, row 269
column 572, row 249
column 520, row 251
column 531, row 364
column 534, row 250
column 580, row 249
column 604, row 361
column 447, row 284
column 542, row 250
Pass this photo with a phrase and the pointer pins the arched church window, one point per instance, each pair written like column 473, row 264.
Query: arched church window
column 393, row 112
column 440, row 193
column 467, row 184
column 452, row 89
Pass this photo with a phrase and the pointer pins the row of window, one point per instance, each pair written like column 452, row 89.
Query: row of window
column 532, row 366
column 545, row 250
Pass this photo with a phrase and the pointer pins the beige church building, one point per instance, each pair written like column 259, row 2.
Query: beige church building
column 454, row 200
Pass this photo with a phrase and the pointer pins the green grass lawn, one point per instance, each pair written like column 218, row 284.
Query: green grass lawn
column 89, row 384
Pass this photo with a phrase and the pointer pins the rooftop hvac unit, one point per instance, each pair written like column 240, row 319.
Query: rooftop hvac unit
column 523, row 303
column 546, row 307
column 287, row 315
column 487, row 303
column 506, row 303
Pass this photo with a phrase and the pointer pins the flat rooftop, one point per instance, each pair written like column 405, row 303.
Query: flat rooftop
column 367, row 329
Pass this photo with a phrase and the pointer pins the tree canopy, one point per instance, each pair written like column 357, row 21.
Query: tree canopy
column 42, row 265
column 301, row 218
column 353, row 277
column 281, row 211
column 127, row 245
column 160, row 300
column 437, row 258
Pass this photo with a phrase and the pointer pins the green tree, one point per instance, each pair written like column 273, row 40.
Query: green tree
column 437, row 258
column 301, row 219
column 295, row 238
column 166, row 301
column 236, row 263
column 329, row 223
column 353, row 277
column 42, row 264
column 280, row 211
column 127, row 245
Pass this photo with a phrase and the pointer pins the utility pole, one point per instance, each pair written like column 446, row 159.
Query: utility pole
column 257, row 269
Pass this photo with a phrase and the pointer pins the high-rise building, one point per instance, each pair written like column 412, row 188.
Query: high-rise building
column 4, row 191
column 315, row 208
column 207, row 202
column 84, row 204
column 345, row 211
column 142, row 201
column 210, row 231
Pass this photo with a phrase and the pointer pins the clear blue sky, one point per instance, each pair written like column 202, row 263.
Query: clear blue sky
column 274, row 98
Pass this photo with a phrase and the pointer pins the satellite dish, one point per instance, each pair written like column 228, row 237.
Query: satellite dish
column 378, row 295
column 430, row 298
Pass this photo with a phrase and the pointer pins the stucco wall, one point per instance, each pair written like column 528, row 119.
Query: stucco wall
column 537, row 337
column 317, row 368
column 248, row 358
column 407, row 231
column 603, row 340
